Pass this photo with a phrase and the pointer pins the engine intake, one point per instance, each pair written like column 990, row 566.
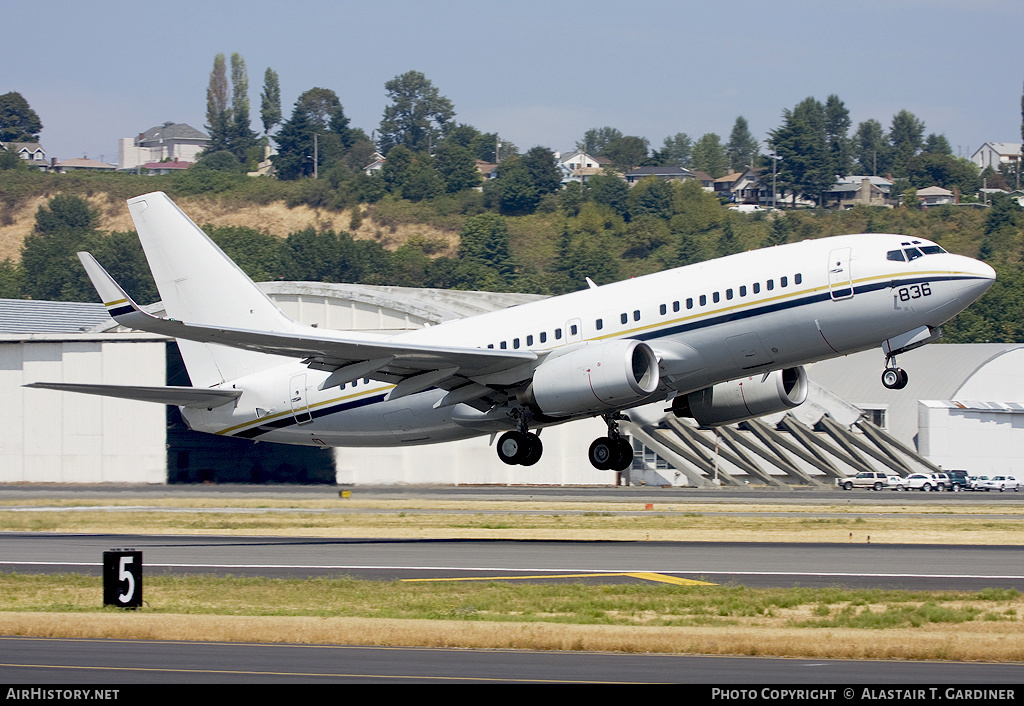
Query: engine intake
column 595, row 378
column 738, row 400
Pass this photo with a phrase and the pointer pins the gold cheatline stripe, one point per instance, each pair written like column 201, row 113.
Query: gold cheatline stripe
column 119, row 301
column 263, row 420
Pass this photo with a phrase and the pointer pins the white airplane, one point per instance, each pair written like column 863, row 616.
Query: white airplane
column 722, row 341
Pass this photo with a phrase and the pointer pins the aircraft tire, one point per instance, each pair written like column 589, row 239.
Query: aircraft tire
column 603, row 453
column 513, row 446
column 534, row 450
column 625, row 455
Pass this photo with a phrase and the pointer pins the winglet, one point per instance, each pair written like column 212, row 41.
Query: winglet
column 119, row 305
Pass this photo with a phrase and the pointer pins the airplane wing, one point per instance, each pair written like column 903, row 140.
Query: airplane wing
column 412, row 367
column 177, row 396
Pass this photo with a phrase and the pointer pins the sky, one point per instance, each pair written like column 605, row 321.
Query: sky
column 536, row 72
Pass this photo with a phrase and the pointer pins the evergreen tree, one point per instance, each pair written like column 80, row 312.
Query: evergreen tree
column 242, row 138
column 18, row 122
column 709, row 156
column 270, row 101
column 871, row 150
column 906, row 135
column 419, row 117
column 837, row 127
column 218, row 122
column 801, row 142
column 742, row 148
column 675, row 152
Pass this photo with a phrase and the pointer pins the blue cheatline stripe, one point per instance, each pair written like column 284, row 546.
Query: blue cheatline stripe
column 287, row 420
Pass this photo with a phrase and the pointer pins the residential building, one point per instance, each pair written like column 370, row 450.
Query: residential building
column 853, row 191
column 997, row 154
column 662, row 173
column 580, row 166
column 166, row 142
column 935, row 196
column 32, row 152
column 83, row 164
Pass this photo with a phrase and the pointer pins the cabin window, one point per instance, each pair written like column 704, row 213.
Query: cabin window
column 757, row 287
column 770, row 285
column 558, row 334
column 675, row 306
column 503, row 346
column 728, row 294
column 798, row 278
column 703, row 299
column 573, row 330
column 623, row 318
column 689, row 302
column 544, row 336
column 490, row 345
column 529, row 340
column 783, row 281
column 515, row 343
column 743, row 291
column 599, row 324
column 715, row 297
column 636, row 315
column 663, row 309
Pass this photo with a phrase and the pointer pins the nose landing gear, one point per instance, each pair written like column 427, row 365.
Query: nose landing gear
column 893, row 377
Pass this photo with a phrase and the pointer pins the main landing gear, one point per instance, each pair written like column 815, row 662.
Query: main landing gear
column 520, row 448
column 893, row 377
column 612, row 452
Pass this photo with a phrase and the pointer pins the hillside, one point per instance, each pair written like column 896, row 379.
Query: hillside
column 275, row 218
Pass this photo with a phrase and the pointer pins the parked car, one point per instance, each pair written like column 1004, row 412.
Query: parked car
column 975, row 482
column 923, row 481
column 865, row 479
column 1000, row 483
column 959, row 480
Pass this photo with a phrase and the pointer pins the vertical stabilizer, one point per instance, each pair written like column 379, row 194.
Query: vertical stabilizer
column 200, row 284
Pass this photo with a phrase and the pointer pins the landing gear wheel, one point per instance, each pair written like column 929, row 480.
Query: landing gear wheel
column 895, row 378
column 603, row 453
column 520, row 448
column 513, row 446
column 625, row 451
column 533, row 453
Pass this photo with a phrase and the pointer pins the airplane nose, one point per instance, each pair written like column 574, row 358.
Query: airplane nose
column 972, row 278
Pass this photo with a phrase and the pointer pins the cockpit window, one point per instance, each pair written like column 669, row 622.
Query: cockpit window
column 931, row 249
column 895, row 256
column 913, row 253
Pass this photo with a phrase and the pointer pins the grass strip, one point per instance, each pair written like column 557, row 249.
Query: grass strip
column 795, row 622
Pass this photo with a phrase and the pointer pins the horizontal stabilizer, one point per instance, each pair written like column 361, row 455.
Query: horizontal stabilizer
column 176, row 396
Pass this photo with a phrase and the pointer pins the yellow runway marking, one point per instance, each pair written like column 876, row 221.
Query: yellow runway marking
column 646, row 576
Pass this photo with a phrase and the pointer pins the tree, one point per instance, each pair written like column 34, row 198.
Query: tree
column 64, row 226
column 270, row 101
column 18, row 122
column 627, row 152
column 456, row 166
column 217, row 117
column 542, row 166
column 801, row 141
column 709, row 156
column 242, row 138
column 485, row 239
column 596, row 140
column 294, row 158
column 418, row 116
column 949, row 172
column 906, row 135
column 937, row 144
column 675, row 152
column 871, row 150
column 837, row 127
column 741, row 150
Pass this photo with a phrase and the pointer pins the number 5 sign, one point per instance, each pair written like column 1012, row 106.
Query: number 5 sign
column 122, row 578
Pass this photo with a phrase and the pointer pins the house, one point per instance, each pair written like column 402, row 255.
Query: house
column 662, row 173
column 169, row 167
column 853, row 191
column 376, row 164
column 934, row 196
column 706, row 180
column 32, row 152
column 580, row 166
column 83, row 164
column 166, row 142
column 741, row 187
column 997, row 154
column 487, row 169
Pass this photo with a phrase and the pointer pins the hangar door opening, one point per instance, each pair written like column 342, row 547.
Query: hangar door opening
column 194, row 457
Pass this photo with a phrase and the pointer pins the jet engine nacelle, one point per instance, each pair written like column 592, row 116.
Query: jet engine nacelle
column 737, row 400
column 595, row 378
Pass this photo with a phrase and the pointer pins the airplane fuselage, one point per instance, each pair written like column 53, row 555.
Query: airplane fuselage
column 742, row 315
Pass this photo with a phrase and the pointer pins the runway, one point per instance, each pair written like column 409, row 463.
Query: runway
column 919, row 567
